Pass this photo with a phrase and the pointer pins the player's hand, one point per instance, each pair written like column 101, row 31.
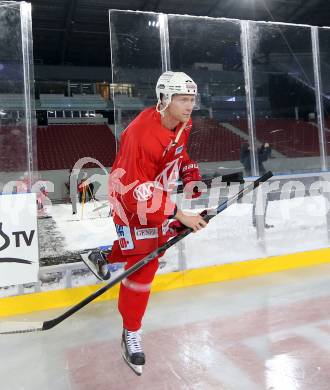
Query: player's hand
column 194, row 222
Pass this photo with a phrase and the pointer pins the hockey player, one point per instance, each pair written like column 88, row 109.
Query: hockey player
column 151, row 158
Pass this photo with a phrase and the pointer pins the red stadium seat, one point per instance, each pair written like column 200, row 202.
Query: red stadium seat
column 210, row 141
column 289, row 137
column 60, row 146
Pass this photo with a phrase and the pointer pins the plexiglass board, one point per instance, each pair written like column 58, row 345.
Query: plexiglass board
column 17, row 116
column 216, row 65
column 284, row 97
column 324, row 44
column 136, row 63
column 257, row 89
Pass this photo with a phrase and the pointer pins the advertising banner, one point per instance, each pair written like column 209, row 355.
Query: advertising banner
column 19, row 251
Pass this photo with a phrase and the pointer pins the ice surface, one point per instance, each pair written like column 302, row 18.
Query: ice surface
column 266, row 332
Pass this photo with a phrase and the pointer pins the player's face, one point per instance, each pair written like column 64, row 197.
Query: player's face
column 181, row 107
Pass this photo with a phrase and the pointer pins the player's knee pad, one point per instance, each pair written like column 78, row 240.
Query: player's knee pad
column 146, row 273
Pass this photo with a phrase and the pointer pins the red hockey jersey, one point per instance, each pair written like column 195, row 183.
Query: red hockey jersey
column 146, row 169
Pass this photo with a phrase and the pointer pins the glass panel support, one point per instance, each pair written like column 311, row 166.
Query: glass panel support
column 164, row 42
column 29, row 108
column 318, row 96
column 246, row 37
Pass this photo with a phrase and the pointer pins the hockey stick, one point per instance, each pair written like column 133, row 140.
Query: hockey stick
column 25, row 327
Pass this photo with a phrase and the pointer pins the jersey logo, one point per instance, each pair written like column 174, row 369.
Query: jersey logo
column 178, row 150
column 189, row 166
column 166, row 180
column 169, row 176
column 146, row 233
column 143, row 191
column 124, row 237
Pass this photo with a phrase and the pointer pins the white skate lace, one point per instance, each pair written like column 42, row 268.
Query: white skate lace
column 133, row 341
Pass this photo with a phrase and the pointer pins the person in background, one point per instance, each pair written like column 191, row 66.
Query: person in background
column 264, row 152
column 85, row 190
column 82, row 189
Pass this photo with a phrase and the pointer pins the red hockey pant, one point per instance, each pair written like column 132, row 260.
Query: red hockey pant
column 134, row 293
column 135, row 290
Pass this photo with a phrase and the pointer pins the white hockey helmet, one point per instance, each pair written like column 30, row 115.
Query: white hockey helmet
column 173, row 83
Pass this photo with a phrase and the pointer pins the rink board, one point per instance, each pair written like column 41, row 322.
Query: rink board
column 174, row 280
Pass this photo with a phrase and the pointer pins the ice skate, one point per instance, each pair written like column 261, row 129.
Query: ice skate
column 132, row 351
column 96, row 261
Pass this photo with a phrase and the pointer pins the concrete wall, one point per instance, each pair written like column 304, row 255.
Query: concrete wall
column 57, row 182
column 278, row 165
column 283, row 165
column 60, row 177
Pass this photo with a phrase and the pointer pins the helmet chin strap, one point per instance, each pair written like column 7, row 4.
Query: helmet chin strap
column 184, row 124
column 161, row 110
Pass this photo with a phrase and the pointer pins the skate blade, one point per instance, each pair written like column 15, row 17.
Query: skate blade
column 136, row 368
column 90, row 265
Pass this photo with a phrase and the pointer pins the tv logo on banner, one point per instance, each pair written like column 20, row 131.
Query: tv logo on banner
column 27, row 239
column 19, row 250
